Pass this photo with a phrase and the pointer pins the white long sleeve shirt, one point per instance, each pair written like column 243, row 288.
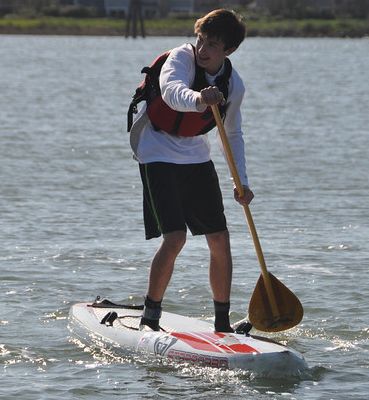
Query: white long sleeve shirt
column 176, row 78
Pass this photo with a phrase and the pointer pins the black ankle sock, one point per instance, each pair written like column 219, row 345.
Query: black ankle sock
column 151, row 323
column 151, row 303
column 222, row 323
column 151, row 314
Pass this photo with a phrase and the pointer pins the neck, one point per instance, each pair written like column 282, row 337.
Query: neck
column 214, row 71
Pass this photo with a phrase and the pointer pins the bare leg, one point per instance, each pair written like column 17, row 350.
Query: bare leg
column 220, row 278
column 220, row 265
column 163, row 264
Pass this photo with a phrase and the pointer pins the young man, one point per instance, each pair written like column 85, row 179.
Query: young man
column 181, row 188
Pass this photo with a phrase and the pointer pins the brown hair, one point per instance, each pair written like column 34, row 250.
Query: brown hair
column 224, row 25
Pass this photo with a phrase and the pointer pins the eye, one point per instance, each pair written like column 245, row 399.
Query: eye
column 214, row 43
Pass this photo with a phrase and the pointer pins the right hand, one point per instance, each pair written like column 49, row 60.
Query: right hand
column 211, row 95
column 248, row 195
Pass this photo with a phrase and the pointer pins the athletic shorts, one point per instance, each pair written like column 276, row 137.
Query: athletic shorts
column 177, row 196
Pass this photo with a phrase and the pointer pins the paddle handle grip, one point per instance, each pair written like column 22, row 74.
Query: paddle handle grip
column 250, row 221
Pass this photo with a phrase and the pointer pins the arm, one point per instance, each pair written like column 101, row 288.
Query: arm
column 176, row 77
column 232, row 125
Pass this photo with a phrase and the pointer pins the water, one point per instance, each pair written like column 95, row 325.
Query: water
column 70, row 212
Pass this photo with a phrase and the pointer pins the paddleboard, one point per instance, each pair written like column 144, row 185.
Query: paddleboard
column 185, row 339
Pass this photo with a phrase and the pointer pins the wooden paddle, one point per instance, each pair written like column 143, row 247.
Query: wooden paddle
column 273, row 307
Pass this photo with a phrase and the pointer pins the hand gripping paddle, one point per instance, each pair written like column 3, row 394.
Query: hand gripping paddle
column 273, row 307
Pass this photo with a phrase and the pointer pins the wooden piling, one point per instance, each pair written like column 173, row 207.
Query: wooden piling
column 134, row 14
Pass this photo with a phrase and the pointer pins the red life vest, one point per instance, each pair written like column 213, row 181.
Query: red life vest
column 164, row 118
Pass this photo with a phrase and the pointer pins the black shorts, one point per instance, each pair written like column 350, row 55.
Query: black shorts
column 177, row 196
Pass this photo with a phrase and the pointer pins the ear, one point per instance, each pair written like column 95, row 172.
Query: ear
column 229, row 51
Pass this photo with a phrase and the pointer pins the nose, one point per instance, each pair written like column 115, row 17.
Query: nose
column 201, row 48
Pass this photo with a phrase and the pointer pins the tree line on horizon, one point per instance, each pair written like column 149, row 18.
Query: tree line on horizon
column 296, row 9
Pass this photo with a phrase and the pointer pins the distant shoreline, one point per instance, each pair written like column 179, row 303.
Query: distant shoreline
column 263, row 27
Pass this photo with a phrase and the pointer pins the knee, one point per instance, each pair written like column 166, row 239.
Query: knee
column 174, row 241
column 218, row 240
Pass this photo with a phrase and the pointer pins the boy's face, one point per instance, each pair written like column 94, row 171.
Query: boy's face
column 210, row 53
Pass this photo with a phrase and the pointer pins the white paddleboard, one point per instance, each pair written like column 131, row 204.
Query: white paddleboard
column 185, row 339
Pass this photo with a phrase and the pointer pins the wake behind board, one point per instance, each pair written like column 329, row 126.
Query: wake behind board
column 185, row 339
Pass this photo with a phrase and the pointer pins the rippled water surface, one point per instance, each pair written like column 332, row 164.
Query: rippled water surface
column 70, row 214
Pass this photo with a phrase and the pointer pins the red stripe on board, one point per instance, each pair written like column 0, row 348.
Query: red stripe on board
column 196, row 342
column 243, row 348
column 208, row 341
column 216, row 338
column 214, row 342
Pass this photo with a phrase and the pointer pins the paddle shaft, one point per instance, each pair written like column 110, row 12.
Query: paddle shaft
column 250, row 221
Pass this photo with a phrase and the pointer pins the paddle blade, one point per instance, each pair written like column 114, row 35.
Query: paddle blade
column 289, row 307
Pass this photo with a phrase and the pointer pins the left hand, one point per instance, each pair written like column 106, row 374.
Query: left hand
column 248, row 195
